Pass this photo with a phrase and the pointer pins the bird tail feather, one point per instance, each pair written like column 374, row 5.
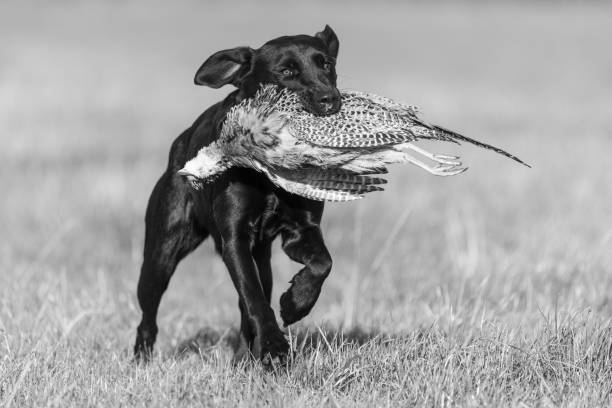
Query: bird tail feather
column 456, row 137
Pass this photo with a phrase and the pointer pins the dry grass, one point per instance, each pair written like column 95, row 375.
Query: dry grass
column 492, row 288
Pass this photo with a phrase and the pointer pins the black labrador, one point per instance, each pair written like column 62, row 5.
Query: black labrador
column 242, row 210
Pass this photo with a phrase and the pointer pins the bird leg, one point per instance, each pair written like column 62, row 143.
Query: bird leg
column 439, row 170
column 438, row 158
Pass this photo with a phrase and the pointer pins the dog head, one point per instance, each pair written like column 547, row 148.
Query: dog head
column 302, row 63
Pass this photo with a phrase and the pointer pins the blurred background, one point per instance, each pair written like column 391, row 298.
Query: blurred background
column 92, row 94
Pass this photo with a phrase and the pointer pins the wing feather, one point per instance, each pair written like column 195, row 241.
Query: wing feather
column 306, row 190
column 335, row 179
column 323, row 185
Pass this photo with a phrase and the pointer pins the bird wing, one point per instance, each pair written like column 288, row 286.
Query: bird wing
column 323, row 185
column 364, row 120
column 369, row 120
column 385, row 103
column 335, row 179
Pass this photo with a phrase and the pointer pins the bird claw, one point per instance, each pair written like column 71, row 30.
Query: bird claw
column 447, row 170
column 441, row 169
column 443, row 159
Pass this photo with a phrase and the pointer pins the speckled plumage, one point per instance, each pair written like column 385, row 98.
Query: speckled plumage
column 323, row 158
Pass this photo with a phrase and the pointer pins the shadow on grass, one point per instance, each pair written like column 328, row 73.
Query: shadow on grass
column 304, row 339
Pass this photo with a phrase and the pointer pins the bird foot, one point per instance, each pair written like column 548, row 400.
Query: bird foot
column 444, row 165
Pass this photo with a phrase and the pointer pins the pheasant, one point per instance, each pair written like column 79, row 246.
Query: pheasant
column 333, row 158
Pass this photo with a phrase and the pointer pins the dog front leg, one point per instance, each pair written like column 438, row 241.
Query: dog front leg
column 268, row 343
column 304, row 245
column 237, row 212
column 261, row 255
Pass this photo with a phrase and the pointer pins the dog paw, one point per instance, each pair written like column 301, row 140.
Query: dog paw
column 145, row 339
column 297, row 302
column 272, row 350
column 276, row 362
column 142, row 352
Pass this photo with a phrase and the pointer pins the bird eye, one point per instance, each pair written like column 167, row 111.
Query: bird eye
column 326, row 66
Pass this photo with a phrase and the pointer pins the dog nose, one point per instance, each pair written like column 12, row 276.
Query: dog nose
column 328, row 102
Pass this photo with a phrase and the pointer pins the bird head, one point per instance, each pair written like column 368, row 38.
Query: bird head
column 206, row 167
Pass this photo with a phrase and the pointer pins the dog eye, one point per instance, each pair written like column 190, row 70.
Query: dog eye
column 288, row 72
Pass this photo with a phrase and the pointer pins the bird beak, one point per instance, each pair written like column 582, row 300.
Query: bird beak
column 185, row 173
column 192, row 179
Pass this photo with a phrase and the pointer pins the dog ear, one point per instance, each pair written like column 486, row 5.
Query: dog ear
column 225, row 67
column 330, row 39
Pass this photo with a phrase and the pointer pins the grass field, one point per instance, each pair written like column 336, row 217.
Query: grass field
column 493, row 288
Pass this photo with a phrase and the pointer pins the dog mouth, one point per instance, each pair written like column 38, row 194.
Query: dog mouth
column 327, row 107
column 321, row 110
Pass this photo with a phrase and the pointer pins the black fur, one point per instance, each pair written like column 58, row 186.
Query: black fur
column 242, row 211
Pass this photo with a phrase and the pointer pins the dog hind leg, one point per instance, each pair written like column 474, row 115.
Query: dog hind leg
column 171, row 233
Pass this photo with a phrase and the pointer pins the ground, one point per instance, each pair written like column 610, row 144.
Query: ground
column 492, row 288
